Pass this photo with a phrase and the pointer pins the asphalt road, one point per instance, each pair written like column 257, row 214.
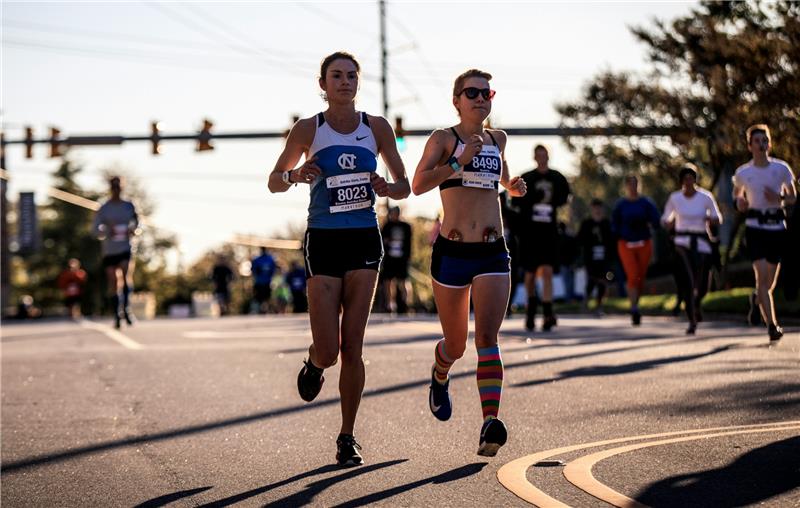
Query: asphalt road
column 204, row 412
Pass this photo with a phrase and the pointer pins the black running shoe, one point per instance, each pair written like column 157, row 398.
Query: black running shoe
column 775, row 333
column 347, row 451
column 309, row 381
column 128, row 315
column 439, row 398
column 549, row 323
column 691, row 329
column 117, row 321
column 493, row 436
column 530, row 323
column 636, row 318
column 753, row 314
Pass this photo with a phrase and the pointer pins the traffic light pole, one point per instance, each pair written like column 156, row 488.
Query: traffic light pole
column 384, row 60
column 205, row 136
column 5, row 275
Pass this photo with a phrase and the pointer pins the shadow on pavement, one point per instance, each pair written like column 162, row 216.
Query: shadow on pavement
column 753, row 477
column 16, row 465
column 626, row 368
column 304, row 497
column 307, row 495
column 169, row 498
column 764, row 398
column 449, row 476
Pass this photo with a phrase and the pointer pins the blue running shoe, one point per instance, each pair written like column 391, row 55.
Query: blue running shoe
column 493, row 436
column 439, row 398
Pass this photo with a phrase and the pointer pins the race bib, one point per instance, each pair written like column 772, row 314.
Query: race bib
column 395, row 249
column 598, row 253
column 542, row 213
column 771, row 218
column 349, row 192
column 72, row 289
column 484, row 170
column 119, row 232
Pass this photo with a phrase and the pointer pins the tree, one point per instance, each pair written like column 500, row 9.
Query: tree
column 714, row 72
column 67, row 233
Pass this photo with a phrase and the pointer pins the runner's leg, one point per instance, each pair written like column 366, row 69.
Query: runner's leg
column 358, row 291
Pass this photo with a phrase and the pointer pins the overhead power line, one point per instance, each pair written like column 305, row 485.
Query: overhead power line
column 232, row 41
column 143, row 57
column 161, row 42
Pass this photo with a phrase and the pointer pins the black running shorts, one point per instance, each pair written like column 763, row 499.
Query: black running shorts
column 765, row 244
column 538, row 246
column 333, row 252
column 116, row 259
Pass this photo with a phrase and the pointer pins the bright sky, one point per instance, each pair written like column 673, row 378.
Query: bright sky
column 113, row 67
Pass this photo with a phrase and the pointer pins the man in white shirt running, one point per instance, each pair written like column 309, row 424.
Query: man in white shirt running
column 761, row 188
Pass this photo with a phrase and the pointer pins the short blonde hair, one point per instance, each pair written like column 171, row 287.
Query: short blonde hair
column 759, row 127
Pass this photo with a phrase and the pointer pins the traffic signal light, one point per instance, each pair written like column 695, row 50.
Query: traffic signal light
column 204, row 138
column 155, row 137
column 28, row 142
column 55, row 144
column 399, row 134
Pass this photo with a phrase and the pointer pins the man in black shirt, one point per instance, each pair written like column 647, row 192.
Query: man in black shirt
column 222, row 275
column 538, row 233
column 598, row 248
column 394, row 271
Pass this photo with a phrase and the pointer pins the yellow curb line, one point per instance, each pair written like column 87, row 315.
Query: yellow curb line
column 579, row 471
column 513, row 474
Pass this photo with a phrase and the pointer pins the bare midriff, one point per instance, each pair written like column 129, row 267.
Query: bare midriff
column 470, row 212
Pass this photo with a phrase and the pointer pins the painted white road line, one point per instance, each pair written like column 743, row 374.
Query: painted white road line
column 112, row 334
column 252, row 333
column 579, row 471
column 513, row 475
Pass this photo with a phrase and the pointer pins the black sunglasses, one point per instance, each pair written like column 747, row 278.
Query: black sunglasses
column 472, row 92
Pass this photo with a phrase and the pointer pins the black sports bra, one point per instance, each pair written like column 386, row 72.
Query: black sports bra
column 483, row 172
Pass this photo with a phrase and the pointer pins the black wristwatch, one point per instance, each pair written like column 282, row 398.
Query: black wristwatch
column 286, row 176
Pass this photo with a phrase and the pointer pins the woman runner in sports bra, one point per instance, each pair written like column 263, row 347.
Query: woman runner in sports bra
column 342, row 247
column 467, row 162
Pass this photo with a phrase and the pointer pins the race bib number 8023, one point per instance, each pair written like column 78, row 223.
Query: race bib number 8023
column 349, row 192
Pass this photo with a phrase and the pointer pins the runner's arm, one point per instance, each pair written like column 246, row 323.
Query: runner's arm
column 297, row 144
column 432, row 168
column 788, row 190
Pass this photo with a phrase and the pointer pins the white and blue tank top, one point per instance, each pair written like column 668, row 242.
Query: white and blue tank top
column 342, row 197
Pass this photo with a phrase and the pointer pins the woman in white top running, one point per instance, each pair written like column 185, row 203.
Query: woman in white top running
column 689, row 212
column 342, row 246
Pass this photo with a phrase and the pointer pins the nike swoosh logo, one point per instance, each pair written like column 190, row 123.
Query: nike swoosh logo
column 371, row 262
column 362, row 137
column 434, row 407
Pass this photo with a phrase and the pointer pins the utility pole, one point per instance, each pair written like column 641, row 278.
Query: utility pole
column 384, row 58
column 5, row 265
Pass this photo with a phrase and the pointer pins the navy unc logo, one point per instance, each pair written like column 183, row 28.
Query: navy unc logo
column 347, row 161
